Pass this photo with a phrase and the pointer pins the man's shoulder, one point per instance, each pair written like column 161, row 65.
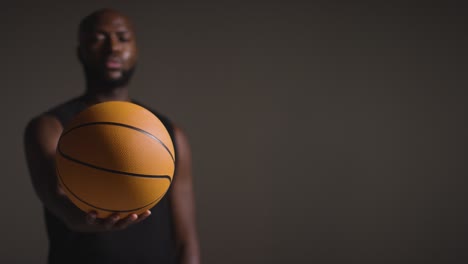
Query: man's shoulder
column 62, row 105
column 66, row 110
column 40, row 127
column 51, row 115
column 46, row 113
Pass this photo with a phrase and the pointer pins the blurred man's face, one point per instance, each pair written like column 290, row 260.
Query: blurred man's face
column 109, row 51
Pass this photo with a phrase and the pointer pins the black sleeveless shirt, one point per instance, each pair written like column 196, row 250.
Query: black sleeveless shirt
column 150, row 241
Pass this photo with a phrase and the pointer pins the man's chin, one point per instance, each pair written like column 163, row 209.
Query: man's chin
column 111, row 79
column 115, row 82
column 114, row 75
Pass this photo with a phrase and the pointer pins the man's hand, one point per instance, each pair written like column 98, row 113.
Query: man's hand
column 114, row 222
column 111, row 223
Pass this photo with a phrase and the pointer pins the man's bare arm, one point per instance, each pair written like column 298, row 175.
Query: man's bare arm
column 183, row 204
column 40, row 142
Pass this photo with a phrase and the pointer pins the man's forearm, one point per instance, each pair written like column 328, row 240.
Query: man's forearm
column 65, row 210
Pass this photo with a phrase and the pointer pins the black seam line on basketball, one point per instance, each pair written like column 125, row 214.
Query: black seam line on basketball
column 127, row 126
column 113, row 171
column 99, row 208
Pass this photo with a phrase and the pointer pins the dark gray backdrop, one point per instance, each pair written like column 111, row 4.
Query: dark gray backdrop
column 322, row 132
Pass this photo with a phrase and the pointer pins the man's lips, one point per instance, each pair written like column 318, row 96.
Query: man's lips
column 113, row 64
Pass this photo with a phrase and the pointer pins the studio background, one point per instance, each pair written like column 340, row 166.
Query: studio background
column 322, row 132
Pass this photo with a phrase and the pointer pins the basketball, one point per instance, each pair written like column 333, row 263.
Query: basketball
column 115, row 157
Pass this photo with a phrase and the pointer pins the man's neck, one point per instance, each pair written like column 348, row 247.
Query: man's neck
column 94, row 96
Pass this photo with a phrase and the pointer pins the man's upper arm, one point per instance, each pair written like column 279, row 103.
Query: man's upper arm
column 183, row 177
column 40, row 141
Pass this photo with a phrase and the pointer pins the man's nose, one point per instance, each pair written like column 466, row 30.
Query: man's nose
column 114, row 44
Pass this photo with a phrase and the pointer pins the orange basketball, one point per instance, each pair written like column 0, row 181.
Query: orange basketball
column 115, row 157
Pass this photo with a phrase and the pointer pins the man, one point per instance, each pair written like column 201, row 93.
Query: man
column 107, row 50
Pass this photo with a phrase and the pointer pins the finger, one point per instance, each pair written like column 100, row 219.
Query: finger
column 127, row 221
column 111, row 221
column 60, row 190
column 143, row 216
column 91, row 218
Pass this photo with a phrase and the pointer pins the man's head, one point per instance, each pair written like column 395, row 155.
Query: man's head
column 107, row 48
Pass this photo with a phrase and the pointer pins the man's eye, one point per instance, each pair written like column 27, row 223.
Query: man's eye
column 124, row 38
